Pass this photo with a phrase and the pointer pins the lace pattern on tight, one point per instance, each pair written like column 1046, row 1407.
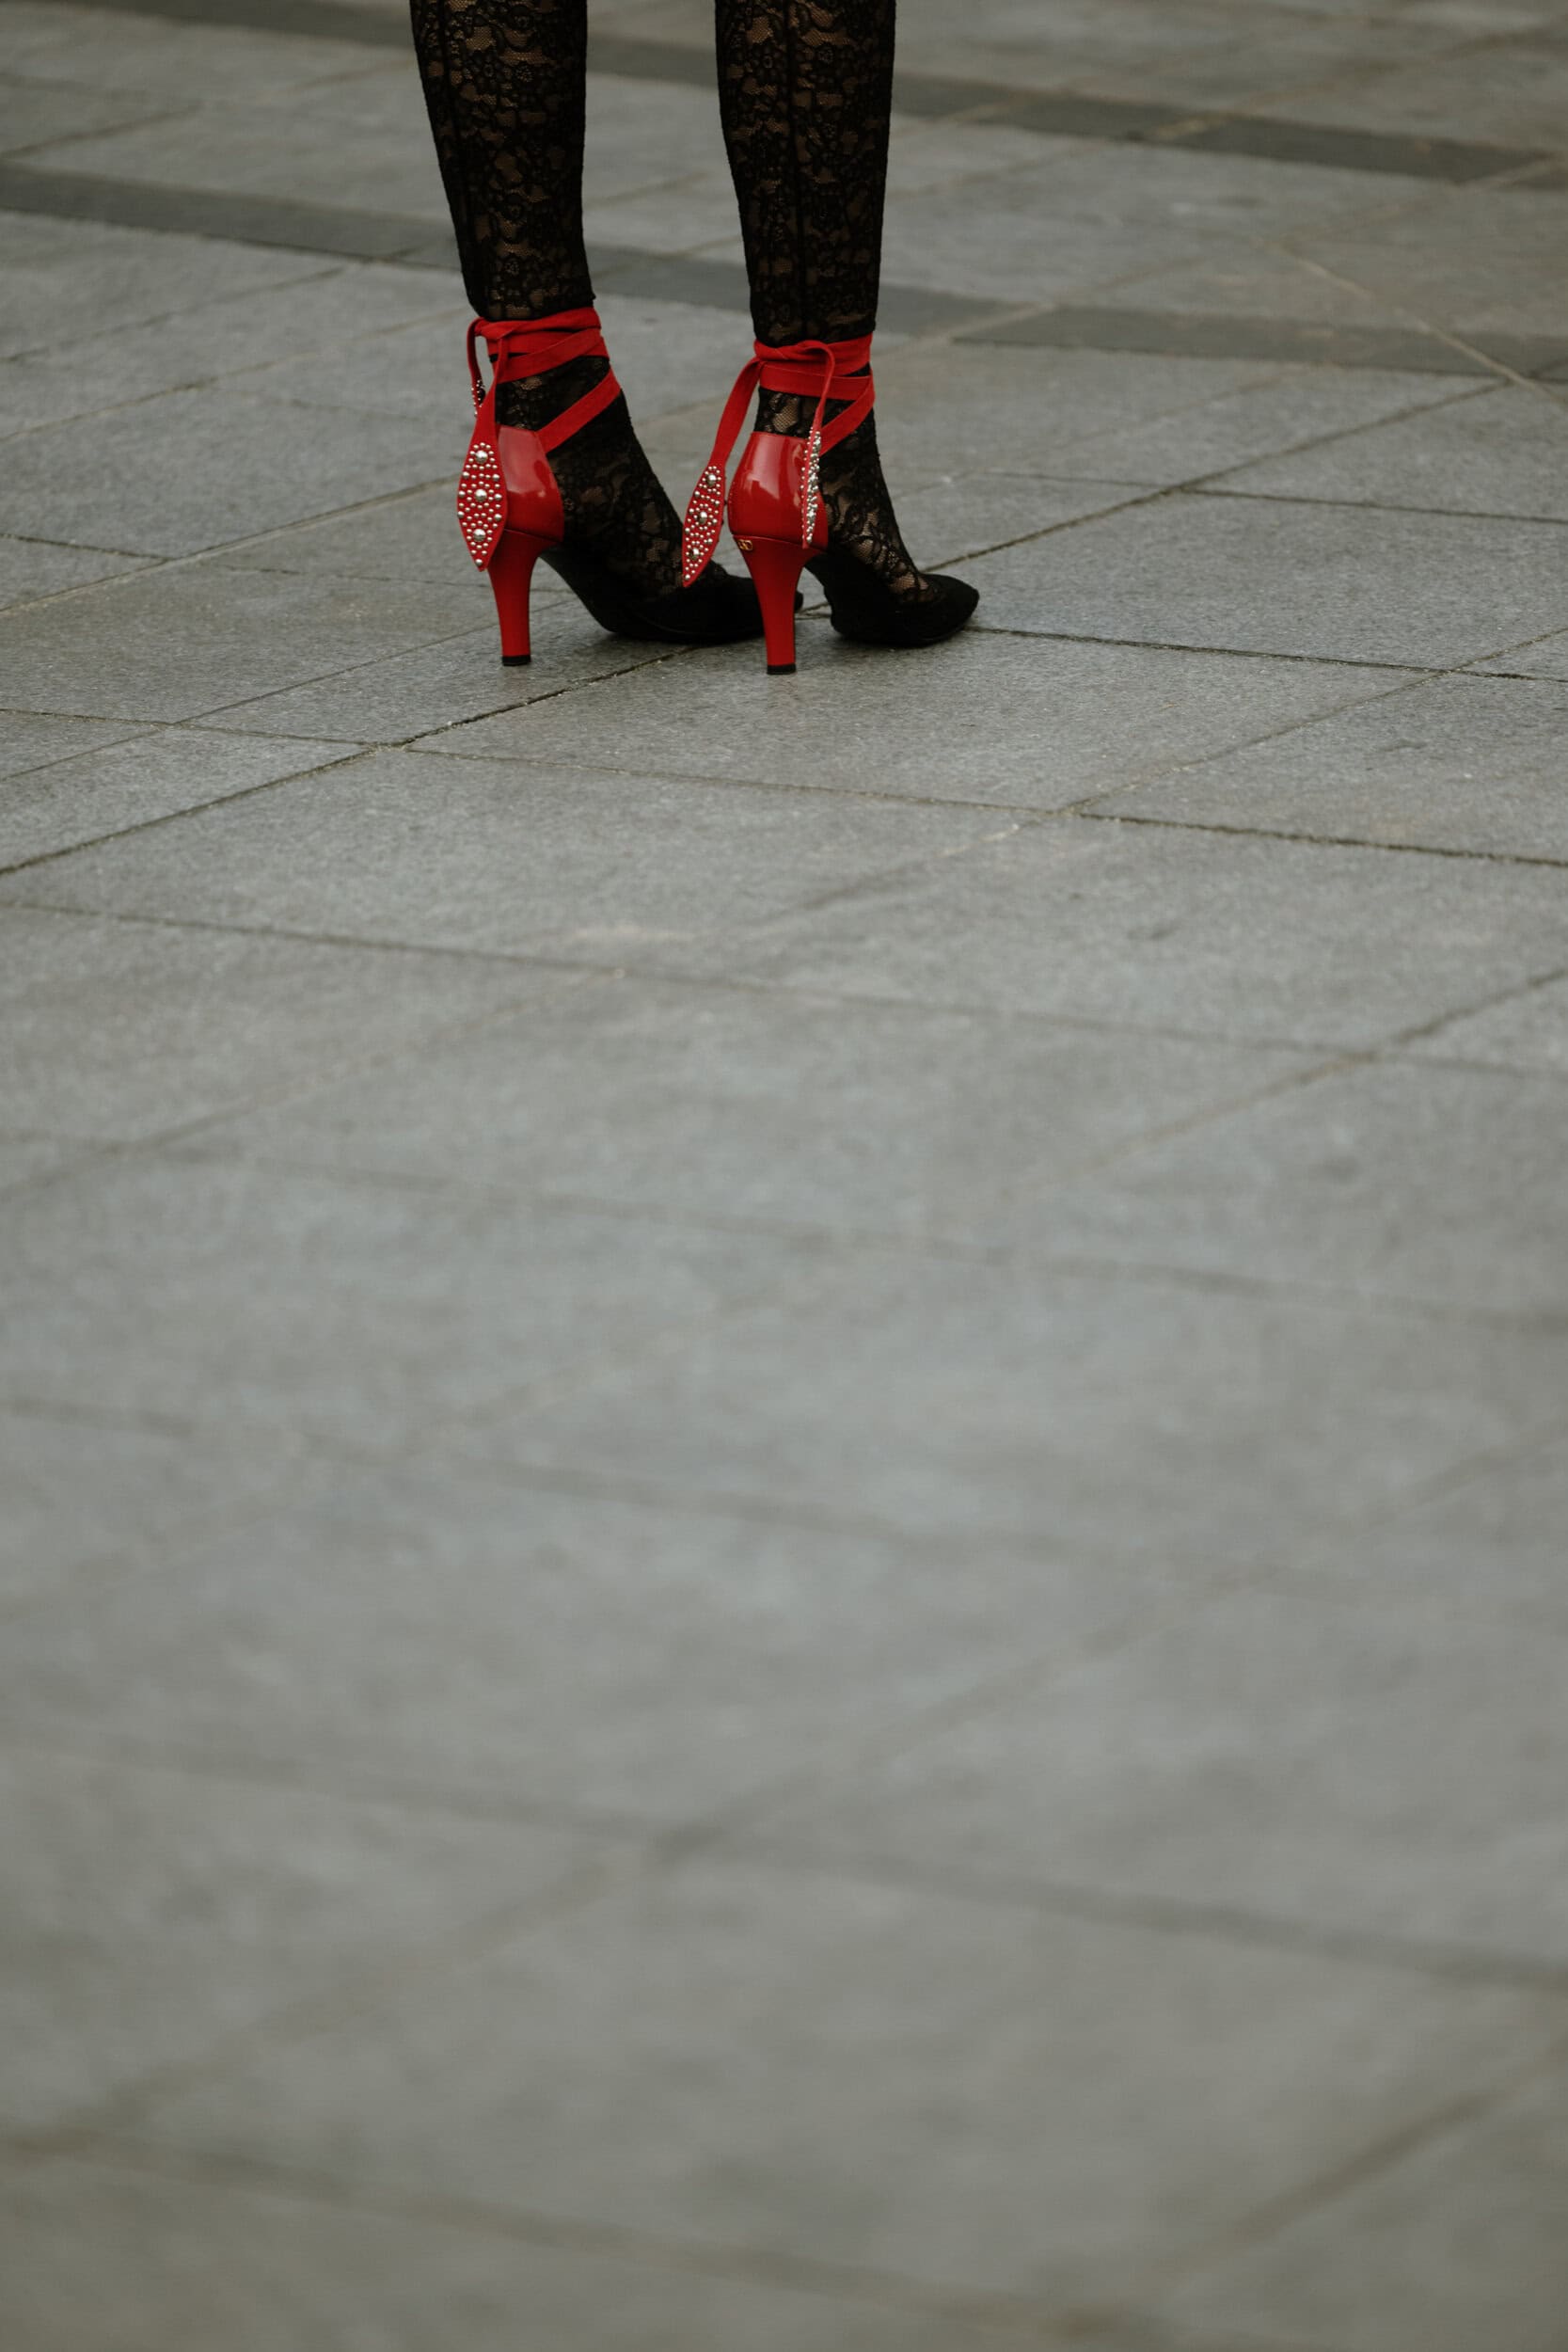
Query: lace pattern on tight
column 805, row 95
column 505, row 87
column 805, row 92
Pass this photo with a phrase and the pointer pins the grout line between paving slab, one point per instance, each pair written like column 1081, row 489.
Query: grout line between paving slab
column 1452, row 1479
column 552, row 981
column 1011, row 2319
column 336, row 1463
column 1310, row 840
column 334, row 1779
column 328, row 266
column 705, row 1836
column 700, row 1836
column 1234, row 653
column 346, row 758
column 1452, row 2117
column 1030, row 821
column 88, row 1416
column 374, row 1783
column 1214, row 489
column 1164, row 1915
column 1455, row 338
column 1198, row 484
column 358, row 1987
column 321, row 2012
column 73, row 547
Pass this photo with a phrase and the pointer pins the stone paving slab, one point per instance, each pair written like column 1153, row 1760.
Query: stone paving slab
column 1305, row 406
column 497, row 1645
column 1263, row 282
column 955, row 518
column 1406, row 1181
column 1237, row 936
column 22, row 1158
column 173, row 59
column 1504, row 453
column 1191, row 49
column 65, row 800
column 397, row 372
column 1459, row 2244
column 924, row 154
column 240, row 634
column 215, row 334
column 1075, row 2063
column 366, row 1315
column 186, row 471
column 368, row 147
column 34, row 111
column 445, row 685
column 1457, row 763
column 30, row 740
column 84, row 1495
column 1014, row 1400
column 119, row 277
column 175, row 1908
column 1076, row 717
column 1527, row 1031
column 408, row 535
column 653, row 1093
column 165, row 1026
column 1342, row 583
column 1417, row 347
column 1115, row 211
column 1545, row 657
column 685, row 216
column 1026, row 409
column 1520, row 95
column 671, row 355
column 168, row 2261
column 1492, row 1542
column 31, row 568
column 494, row 857
column 1488, row 257
column 1199, row 1764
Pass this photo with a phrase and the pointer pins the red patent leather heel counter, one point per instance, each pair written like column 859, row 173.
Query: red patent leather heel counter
column 775, row 508
column 509, row 505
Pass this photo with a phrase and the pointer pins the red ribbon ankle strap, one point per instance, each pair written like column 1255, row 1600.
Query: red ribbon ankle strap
column 832, row 371
column 519, row 348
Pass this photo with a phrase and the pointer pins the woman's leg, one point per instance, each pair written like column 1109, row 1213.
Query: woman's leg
column 806, row 93
column 505, row 81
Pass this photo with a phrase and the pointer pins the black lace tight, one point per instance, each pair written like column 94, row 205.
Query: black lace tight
column 806, row 94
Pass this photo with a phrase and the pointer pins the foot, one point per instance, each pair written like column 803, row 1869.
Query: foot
column 878, row 591
column 622, row 553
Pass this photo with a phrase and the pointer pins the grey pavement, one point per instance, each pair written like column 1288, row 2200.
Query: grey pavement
column 784, row 1465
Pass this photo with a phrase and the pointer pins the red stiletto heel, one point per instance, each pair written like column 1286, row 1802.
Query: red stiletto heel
column 511, row 578
column 509, row 507
column 776, row 566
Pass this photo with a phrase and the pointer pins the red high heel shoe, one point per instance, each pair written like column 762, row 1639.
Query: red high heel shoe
column 778, row 520
column 510, row 511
